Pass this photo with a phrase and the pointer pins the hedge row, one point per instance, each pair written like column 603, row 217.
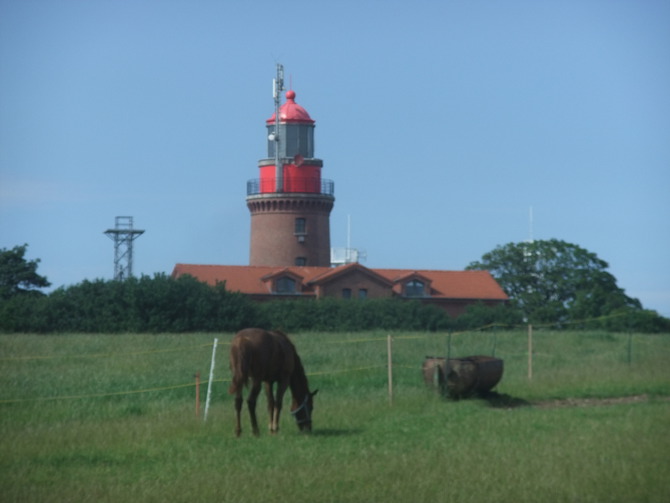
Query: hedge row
column 163, row 304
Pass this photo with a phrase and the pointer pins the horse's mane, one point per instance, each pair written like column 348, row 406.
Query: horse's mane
column 298, row 377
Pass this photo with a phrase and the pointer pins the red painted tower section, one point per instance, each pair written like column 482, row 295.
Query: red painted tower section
column 290, row 206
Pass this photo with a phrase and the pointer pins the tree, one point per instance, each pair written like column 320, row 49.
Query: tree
column 18, row 275
column 555, row 281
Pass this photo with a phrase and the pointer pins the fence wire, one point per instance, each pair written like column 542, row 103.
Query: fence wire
column 491, row 326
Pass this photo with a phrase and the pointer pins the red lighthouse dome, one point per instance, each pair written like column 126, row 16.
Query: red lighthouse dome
column 291, row 112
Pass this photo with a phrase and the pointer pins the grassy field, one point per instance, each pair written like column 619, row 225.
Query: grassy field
column 112, row 418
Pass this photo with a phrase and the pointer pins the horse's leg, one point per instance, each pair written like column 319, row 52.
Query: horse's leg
column 281, row 389
column 251, row 403
column 271, row 404
column 238, row 410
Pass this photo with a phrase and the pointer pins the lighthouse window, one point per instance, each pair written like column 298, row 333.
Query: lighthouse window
column 285, row 285
column 300, row 226
column 414, row 288
column 301, row 261
column 303, row 143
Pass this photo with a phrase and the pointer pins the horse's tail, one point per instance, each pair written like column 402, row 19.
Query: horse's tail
column 239, row 368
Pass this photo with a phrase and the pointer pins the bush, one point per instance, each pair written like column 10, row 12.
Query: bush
column 479, row 315
column 148, row 304
column 352, row 315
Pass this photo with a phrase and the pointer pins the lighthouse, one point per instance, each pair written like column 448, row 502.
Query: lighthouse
column 289, row 202
column 290, row 207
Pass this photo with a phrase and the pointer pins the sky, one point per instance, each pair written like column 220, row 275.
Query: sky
column 444, row 125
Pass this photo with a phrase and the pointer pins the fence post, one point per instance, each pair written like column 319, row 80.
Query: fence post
column 389, row 347
column 630, row 339
column 211, row 378
column 449, row 345
column 530, row 351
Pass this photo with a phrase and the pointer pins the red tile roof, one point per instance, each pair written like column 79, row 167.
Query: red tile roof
column 472, row 285
column 454, row 284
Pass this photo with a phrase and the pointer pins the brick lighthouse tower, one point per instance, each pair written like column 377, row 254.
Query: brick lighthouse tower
column 290, row 203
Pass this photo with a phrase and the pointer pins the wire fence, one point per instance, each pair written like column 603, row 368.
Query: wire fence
column 442, row 342
column 160, row 388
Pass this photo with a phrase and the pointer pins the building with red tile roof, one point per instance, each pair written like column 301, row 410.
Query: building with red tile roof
column 453, row 291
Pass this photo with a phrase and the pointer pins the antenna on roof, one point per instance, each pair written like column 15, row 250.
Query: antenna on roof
column 277, row 88
column 348, row 255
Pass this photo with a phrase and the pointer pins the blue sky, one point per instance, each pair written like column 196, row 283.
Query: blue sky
column 441, row 124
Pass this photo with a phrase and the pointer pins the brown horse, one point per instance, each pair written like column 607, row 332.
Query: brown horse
column 269, row 357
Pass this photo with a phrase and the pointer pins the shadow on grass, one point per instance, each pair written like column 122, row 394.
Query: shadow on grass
column 494, row 400
column 503, row 401
column 334, row 432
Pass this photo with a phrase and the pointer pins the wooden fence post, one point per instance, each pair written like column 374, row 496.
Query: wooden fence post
column 530, row 351
column 449, row 345
column 389, row 347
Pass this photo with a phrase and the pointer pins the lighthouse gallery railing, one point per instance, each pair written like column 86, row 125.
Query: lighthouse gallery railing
column 293, row 184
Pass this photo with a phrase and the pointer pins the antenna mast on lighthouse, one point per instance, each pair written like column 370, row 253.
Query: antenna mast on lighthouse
column 277, row 88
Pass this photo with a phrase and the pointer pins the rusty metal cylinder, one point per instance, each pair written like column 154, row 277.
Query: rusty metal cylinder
column 462, row 377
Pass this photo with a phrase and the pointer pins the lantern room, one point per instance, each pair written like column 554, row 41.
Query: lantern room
column 293, row 136
column 296, row 130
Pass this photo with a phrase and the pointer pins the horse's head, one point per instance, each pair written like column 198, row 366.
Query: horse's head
column 303, row 412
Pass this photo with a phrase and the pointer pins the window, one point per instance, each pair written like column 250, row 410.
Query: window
column 362, row 293
column 301, row 261
column 346, row 293
column 414, row 288
column 300, row 226
column 285, row 285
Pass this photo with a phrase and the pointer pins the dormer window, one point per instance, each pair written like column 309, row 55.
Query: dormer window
column 415, row 288
column 285, row 285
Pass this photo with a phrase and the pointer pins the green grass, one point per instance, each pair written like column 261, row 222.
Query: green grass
column 70, row 431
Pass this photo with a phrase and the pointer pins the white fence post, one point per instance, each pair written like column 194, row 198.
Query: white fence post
column 211, row 378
